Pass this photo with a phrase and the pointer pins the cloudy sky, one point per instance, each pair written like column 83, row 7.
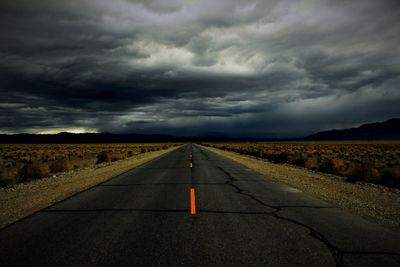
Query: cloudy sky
column 244, row 68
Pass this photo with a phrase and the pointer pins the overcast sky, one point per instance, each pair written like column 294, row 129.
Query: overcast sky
column 244, row 68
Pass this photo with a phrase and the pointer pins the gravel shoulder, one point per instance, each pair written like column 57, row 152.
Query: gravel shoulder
column 373, row 202
column 24, row 199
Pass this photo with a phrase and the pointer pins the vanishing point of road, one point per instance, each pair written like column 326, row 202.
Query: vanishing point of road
column 217, row 213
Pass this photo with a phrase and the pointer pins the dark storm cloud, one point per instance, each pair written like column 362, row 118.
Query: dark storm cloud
column 267, row 68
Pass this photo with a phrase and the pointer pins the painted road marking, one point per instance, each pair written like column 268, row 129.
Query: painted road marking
column 192, row 202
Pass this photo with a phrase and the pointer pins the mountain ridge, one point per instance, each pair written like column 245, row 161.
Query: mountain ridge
column 387, row 130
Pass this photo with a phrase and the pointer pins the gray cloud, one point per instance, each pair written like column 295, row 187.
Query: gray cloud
column 265, row 68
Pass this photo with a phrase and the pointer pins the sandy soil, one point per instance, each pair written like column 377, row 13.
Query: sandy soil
column 376, row 203
column 24, row 199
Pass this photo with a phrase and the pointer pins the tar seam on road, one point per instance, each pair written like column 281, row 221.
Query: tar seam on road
column 112, row 210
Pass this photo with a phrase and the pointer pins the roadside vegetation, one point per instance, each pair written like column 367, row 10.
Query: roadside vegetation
column 27, row 162
column 373, row 162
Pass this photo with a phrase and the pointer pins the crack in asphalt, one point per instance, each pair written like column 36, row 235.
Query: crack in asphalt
column 113, row 209
column 203, row 153
column 151, row 184
column 337, row 253
column 370, row 253
column 159, row 168
column 304, row 206
column 160, row 211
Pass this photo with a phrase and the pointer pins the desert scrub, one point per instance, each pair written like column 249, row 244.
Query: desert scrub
column 107, row 156
column 62, row 165
column 9, row 176
column 34, row 171
column 373, row 162
column 103, row 156
column 25, row 162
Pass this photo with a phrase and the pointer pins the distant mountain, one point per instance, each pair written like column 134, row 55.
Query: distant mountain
column 71, row 138
column 388, row 130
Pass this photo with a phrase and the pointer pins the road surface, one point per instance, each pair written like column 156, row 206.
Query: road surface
column 142, row 218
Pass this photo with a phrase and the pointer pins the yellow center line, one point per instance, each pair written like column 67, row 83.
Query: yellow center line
column 192, row 202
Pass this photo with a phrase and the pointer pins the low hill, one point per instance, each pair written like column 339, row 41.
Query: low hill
column 388, row 130
column 72, row 138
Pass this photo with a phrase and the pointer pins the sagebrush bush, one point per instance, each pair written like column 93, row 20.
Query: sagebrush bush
column 311, row 163
column 9, row 176
column 61, row 165
column 391, row 176
column 363, row 172
column 339, row 166
column 106, row 156
column 281, row 158
column 103, row 156
column 297, row 160
column 34, row 171
column 325, row 165
column 117, row 156
column 373, row 175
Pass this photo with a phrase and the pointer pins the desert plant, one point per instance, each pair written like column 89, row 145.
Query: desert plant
column 297, row 160
column 103, row 156
column 311, row 163
column 339, row 166
column 34, row 171
column 117, row 156
column 391, row 176
column 326, row 165
column 281, row 158
column 9, row 176
column 61, row 166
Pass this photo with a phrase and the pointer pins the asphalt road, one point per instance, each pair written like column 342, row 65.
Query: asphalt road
column 142, row 218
